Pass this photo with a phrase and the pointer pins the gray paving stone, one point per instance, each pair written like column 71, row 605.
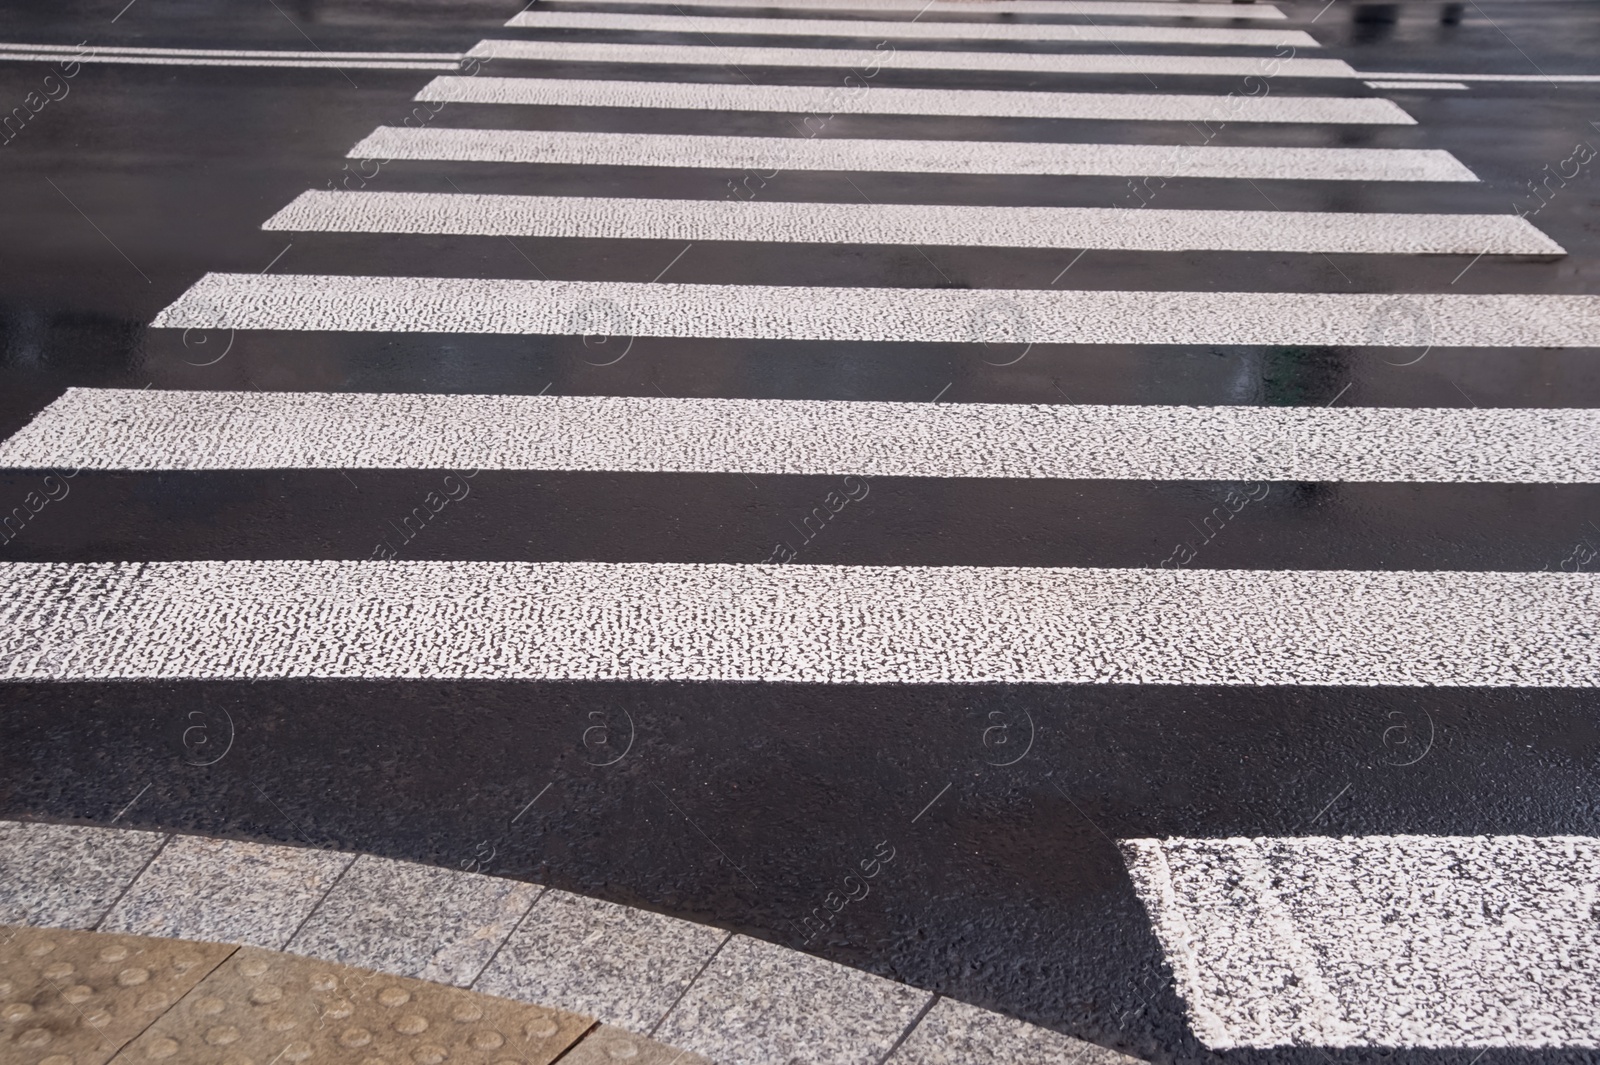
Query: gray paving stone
column 415, row 920
column 226, row 891
column 622, row 965
column 67, row 876
column 954, row 1033
column 761, row 1004
column 610, row 1046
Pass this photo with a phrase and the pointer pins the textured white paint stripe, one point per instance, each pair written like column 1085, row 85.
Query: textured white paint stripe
column 909, row 30
column 1559, row 79
column 868, row 223
column 1415, row 85
column 903, row 59
column 924, row 8
column 882, row 100
column 225, row 53
column 792, row 623
column 137, row 429
column 187, row 61
column 779, row 312
column 908, row 156
column 1407, row 941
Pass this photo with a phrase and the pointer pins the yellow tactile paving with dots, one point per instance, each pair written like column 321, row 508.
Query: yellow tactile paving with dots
column 75, row 998
column 261, row 1008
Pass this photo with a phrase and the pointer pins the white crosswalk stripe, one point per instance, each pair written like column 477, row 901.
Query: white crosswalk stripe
column 1413, row 941
column 883, row 100
column 872, row 60
column 470, row 305
column 153, row 430
column 839, row 223
column 909, row 156
column 1112, row 8
column 907, row 30
column 797, row 624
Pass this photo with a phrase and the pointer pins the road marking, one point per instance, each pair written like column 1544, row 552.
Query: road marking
column 198, row 61
column 882, row 100
column 777, row 312
column 1114, row 8
column 1415, row 85
column 909, row 156
column 795, row 624
column 224, row 53
column 1565, row 79
column 1395, row 941
column 951, row 226
column 904, row 59
column 137, row 429
column 907, row 30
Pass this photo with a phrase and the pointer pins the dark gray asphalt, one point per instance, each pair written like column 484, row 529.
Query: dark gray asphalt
column 1010, row 894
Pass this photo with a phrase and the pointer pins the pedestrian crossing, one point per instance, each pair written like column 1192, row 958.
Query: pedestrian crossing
column 1275, row 941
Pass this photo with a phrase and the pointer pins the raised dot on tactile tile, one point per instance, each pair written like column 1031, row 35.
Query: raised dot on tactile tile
column 264, row 994
column 280, row 1022
column 97, row 1019
column 12, row 1012
column 113, row 953
column 6, row 987
column 297, row 1052
column 543, row 1028
column 324, row 982
column 154, row 1000
column 355, row 1037
column 209, row 1006
column 133, row 977
column 488, row 1039
column 58, row 970
column 161, row 1048
column 432, row 1054
column 338, row 1009
column 394, row 996
column 253, row 966
column 622, row 1050
column 185, row 963
column 33, row 1037
column 222, row 1035
column 467, row 1012
column 39, row 949
column 411, row 1025
column 78, row 993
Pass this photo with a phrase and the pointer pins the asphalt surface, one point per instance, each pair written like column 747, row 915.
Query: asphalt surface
column 745, row 804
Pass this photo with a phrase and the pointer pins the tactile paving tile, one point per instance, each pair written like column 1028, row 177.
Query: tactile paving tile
column 74, row 998
column 262, row 1008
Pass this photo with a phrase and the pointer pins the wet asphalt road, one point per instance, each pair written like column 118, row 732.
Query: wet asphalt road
column 743, row 804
